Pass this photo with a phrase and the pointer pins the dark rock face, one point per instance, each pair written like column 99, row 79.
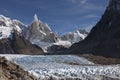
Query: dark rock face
column 18, row 45
column 104, row 38
column 11, row 71
column 56, row 49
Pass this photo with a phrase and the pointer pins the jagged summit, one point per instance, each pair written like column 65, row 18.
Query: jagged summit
column 36, row 17
column 39, row 33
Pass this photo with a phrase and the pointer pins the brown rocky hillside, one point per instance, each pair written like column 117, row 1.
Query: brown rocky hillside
column 11, row 71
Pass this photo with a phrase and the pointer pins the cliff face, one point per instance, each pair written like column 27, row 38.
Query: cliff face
column 104, row 38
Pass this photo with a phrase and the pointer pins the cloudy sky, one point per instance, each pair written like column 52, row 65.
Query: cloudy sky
column 61, row 15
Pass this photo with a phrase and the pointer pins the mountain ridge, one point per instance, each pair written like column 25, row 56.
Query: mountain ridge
column 38, row 33
column 12, row 40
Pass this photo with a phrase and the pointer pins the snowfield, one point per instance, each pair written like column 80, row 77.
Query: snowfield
column 64, row 67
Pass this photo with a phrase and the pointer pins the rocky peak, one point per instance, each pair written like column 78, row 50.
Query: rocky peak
column 39, row 33
column 36, row 18
column 114, row 5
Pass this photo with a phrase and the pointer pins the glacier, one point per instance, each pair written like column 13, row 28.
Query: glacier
column 64, row 67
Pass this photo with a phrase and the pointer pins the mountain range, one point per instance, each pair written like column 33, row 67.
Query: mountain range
column 36, row 38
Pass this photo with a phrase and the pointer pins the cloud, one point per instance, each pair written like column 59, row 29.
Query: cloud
column 91, row 6
column 88, row 5
column 77, row 1
column 91, row 16
column 87, row 26
column 3, row 10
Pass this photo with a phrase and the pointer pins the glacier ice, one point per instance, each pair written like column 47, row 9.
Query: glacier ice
column 59, row 67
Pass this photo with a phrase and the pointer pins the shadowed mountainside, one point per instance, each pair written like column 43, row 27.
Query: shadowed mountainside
column 104, row 38
column 18, row 45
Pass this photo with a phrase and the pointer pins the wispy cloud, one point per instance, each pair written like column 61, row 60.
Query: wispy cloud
column 88, row 26
column 85, row 4
column 91, row 6
column 91, row 16
column 3, row 10
column 78, row 1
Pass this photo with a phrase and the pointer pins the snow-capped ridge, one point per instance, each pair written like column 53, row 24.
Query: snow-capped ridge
column 38, row 33
column 47, row 26
column 7, row 26
column 75, row 36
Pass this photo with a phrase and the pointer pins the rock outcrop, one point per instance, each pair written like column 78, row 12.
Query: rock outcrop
column 11, row 71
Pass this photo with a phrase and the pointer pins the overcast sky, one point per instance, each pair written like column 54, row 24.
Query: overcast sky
column 61, row 15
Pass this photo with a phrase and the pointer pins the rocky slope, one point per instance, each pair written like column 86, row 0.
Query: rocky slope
column 104, row 38
column 11, row 71
column 12, row 40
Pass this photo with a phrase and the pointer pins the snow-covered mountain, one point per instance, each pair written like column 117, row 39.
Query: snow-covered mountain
column 66, row 40
column 12, row 40
column 75, row 36
column 7, row 26
column 39, row 33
